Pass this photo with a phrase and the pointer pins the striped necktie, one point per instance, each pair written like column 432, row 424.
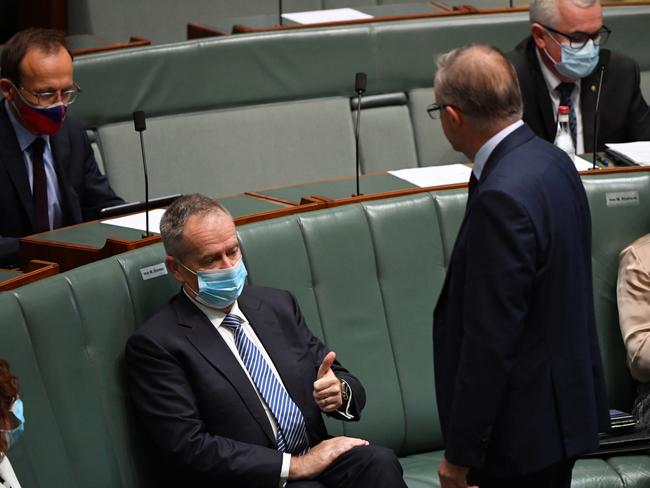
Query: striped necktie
column 565, row 90
column 292, row 435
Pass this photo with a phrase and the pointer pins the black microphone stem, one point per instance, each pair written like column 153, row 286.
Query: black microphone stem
column 280, row 11
column 146, row 185
column 357, row 136
column 600, row 86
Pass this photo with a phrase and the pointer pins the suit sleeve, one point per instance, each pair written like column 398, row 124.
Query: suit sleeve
column 168, row 408
column 97, row 193
column 9, row 247
column 638, row 117
column 500, row 269
column 318, row 353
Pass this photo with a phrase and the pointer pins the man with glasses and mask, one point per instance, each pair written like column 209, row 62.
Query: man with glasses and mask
column 230, row 383
column 48, row 173
column 558, row 64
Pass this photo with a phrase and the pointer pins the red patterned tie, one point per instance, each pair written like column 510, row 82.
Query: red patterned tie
column 39, row 187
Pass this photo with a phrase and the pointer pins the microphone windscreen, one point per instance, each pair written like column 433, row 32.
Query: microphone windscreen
column 139, row 120
column 360, row 82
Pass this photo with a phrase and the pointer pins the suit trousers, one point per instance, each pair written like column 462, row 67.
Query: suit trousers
column 557, row 475
column 360, row 467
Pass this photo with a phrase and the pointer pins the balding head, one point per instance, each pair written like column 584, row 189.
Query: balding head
column 480, row 81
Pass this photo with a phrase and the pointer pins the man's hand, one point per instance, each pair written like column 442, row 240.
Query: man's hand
column 321, row 456
column 452, row 475
column 327, row 387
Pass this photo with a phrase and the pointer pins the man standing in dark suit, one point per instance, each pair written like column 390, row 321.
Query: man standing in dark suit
column 561, row 63
column 230, row 383
column 48, row 173
column 519, row 379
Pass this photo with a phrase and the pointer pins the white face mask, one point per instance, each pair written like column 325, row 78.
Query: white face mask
column 576, row 63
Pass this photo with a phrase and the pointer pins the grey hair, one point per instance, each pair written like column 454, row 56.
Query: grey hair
column 545, row 12
column 482, row 83
column 176, row 216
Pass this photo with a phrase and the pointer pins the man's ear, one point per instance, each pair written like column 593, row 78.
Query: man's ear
column 173, row 268
column 455, row 116
column 537, row 31
column 6, row 87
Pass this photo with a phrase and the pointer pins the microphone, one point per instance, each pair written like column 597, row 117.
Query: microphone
column 280, row 11
column 140, row 125
column 360, row 80
column 604, row 59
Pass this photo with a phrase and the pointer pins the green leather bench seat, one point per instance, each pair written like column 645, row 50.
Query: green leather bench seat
column 367, row 276
column 255, row 111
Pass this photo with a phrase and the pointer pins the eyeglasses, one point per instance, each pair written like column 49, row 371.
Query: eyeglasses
column 48, row 99
column 578, row 40
column 434, row 110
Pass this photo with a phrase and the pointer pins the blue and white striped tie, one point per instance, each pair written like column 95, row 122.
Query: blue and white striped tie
column 292, row 436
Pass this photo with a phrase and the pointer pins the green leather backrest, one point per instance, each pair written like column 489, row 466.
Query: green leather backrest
column 253, row 69
column 620, row 212
column 367, row 277
column 64, row 338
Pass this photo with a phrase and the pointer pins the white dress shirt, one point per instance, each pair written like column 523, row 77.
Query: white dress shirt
column 216, row 318
column 552, row 83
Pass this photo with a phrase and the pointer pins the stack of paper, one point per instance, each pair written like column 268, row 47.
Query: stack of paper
column 633, row 152
column 138, row 221
column 322, row 16
column 434, row 175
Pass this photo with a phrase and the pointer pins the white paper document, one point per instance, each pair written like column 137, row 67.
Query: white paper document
column 582, row 164
column 636, row 152
column 138, row 221
column 321, row 16
column 435, row 175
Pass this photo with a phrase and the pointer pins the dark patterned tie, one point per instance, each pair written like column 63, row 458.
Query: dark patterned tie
column 292, row 435
column 39, row 187
column 565, row 90
column 471, row 188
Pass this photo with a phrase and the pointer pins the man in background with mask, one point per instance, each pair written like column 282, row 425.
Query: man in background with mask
column 230, row 383
column 48, row 173
column 560, row 64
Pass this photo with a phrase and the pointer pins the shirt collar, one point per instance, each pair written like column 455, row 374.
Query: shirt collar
column 25, row 136
column 216, row 316
column 486, row 149
column 552, row 81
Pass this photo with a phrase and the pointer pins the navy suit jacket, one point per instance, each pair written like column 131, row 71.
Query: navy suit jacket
column 624, row 114
column 518, row 372
column 198, row 405
column 84, row 190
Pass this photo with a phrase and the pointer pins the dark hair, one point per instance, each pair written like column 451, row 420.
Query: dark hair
column 13, row 52
column 8, row 395
column 175, row 217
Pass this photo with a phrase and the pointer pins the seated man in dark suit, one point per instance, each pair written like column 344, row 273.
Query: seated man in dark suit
column 557, row 64
column 230, row 383
column 48, row 173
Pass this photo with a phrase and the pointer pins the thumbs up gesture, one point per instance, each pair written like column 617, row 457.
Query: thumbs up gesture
column 327, row 387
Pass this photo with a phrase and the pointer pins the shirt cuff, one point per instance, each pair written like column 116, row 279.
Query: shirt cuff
column 345, row 408
column 284, row 472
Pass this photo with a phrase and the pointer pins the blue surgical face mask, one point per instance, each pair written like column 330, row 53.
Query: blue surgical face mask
column 13, row 434
column 220, row 288
column 576, row 63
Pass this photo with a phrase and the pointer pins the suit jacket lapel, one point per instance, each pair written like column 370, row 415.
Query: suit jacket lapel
column 12, row 159
column 542, row 98
column 61, row 155
column 588, row 95
column 269, row 331
column 207, row 340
